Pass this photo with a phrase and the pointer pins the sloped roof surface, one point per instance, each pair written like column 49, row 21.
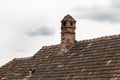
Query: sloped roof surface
column 95, row 59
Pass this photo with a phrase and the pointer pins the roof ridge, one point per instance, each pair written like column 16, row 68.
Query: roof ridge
column 82, row 41
column 45, row 48
column 86, row 40
column 100, row 38
column 50, row 46
column 23, row 58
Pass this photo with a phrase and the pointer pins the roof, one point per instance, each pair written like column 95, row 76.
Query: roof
column 94, row 59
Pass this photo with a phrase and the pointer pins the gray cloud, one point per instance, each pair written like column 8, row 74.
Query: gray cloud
column 116, row 3
column 44, row 31
column 109, row 13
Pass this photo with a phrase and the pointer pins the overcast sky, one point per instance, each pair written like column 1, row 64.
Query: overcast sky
column 27, row 25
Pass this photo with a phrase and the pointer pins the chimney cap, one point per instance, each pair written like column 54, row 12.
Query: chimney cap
column 68, row 17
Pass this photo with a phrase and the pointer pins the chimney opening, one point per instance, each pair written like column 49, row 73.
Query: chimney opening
column 71, row 23
column 64, row 23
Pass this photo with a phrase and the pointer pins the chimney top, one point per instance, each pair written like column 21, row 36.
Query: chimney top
column 68, row 17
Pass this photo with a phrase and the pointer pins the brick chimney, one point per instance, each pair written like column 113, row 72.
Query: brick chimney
column 68, row 26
